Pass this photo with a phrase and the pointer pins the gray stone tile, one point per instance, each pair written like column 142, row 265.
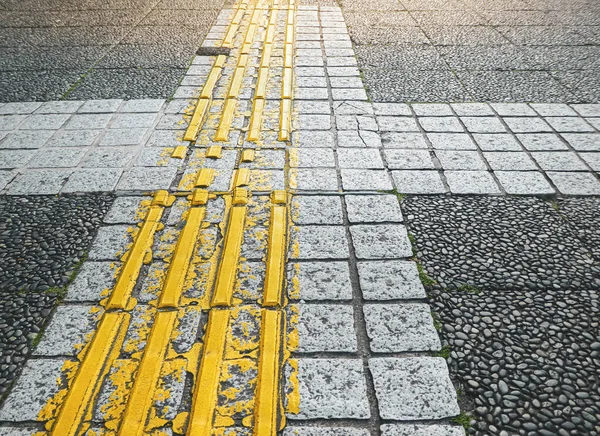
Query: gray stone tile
column 569, row 124
column 524, row 183
column 26, row 139
column 36, row 385
column 312, row 158
column 110, row 242
column 332, row 388
column 318, row 242
column 421, row 430
column 403, row 140
column 432, row 109
column 513, row 109
column 542, row 142
column 109, row 158
column 359, row 158
column 318, row 209
column 350, row 107
column 472, row 109
column 418, row 182
column 156, row 157
column 408, row 159
column 347, row 82
column 313, row 139
column 18, row 431
column 130, row 120
column 441, row 124
column 26, row 107
column 394, row 109
column 397, row 124
column 59, row 107
column 527, row 125
column 583, row 141
column 483, row 124
column 69, row 328
column 587, row 110
column 592, row 159
column 15, row 158
column 356, row 122
column 131, row 136
column 380, row 241
column 358, row 138
column 57, row 158
column 365, row 180
column 5, row 178
column 147, row 179
column 390, row 280
column 312, row 122
column 553, row 109
column 100, row 106
column 559, row 161
column 93, row 282
column 314, row 179
column 38, row 182
column 319, row 281
column 11, row 122
column 348, row 94
column 316, row 431
column 312, row 107
column 44, row 122
column 373, row 208
column 93, row 180
column 509, row 161
column 413, row 388
column 88, row 121
column 471, row 182
column 575, row 183
column 451, row 141
column 593, row 121
column 326, row 327
column 166, row 138
column 143, row 105
column 497, row 142
column 460, row 160
column 394, row 328
column 73, row 138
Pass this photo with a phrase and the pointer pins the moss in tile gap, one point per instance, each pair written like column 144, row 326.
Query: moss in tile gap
column 425, row 279
column 469, row 289
column 464, row 419
column 437, row 322
column 444, row 352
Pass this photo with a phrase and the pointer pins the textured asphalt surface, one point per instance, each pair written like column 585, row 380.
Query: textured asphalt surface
column 517, row 294
column 97, row 49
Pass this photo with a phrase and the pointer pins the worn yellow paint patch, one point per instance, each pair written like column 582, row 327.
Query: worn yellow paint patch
column 205, row 178
column 277, row 248
column 285, row 120
column 214, row 152
column 226, row 120
column 197, row 118
column 248, row 155
column 256, row 119
column 179, row 152
column 293, row 397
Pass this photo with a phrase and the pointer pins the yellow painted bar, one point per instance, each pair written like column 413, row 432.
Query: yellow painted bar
column 140, row 398
column 179, row 152
column 265, row 60
column 204, row 400
column 261, row 83
column 236, row 83
column 270, row 33
column 243, row 60
column 211, row 81
column 289, row 34
column 267, row 395
column 256, row 120
column 197, row 119
column 255, row 16
column 230, row 35
column 103, row 350
column 205, row 178
column 250, row 35
column 231, row 251
column 214, row 152
column 248, row 155
column 237, row 18
column 285, row 120
column 226, row 120
column 276, row 250
column 291, row 16
column 288, row 56
column 242, row 177
column 287, row 82
column 173, row 287
column 121, row 293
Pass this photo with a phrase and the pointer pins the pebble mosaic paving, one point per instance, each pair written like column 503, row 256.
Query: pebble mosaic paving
column 254, row 275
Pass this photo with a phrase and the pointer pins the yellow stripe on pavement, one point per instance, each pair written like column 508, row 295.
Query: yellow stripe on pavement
column 276, row 250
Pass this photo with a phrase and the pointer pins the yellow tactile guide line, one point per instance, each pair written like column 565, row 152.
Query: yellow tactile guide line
column 137, row 379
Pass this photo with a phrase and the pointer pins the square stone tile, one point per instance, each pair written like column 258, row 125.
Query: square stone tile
column 130, row 120
column 394, row 109
column 356, row 122
column 312, row 107
column 343, row 71
column 587, row 110
column 569, row 124
column 127, row 210
column 483, row 124
column 348, row 94
column 290, row 430
column 594, row 122
column 432, row 109
column 472, row 109
column 396, row 328
column 421, row 430
column 100, row 106
column 110, row 243
column 57, row 158
column 26, row 107
column 441, row 124
column 397, row 124
column 497, row 142
column 314, row 179
column 108, row 158
column 318, row 242
column 418, row 182
column 390, row 280
column 26, row 139
column 326, row 328
column 413, row 388
column 93, row 180
column 365, row 180
column 592, row 159
column 317, row 209
column 347, row 82
column 132, row 136
column 11, row 122
column 542, row 142
column 509, row 161
column 73, row 138
column 312, row 158
column 351, row 107
column 358, row 138
column 311, row 94
column 6, row 177
column 524, row 183
column 319, row 281
column 313, row 139
column 460, row 160
column 38, row 182
column 403, row 140
column 147, row 179
column 527, row 125
column 559, row 161
column 332, row 388
column 44, row 122
column 553, row 109
column 88, row 121
column 380, row 241
column 69, row 328
column 451, row 141
column 15, row 158
column 143, row 105
column 579, row 141
column 408, row 159
column 373, row 208
column 305, row 84
column 471, row 182
column 575, row 183
column 359, row 158
column 513, row 109
column 156, row 157
column 312, row 122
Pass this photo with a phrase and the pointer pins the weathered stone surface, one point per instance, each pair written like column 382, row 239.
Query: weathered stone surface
column 318, row 242
column 418, row 182
column 524, row 183
column 319, row 281
column 127, row 210
column 326, row 327
column 365, row 180
column 323, row 431
column 421, row 430
column 93, row 279
column 110, row 242
column 68, row 331
column 317, row 209
column 471, row 182
column 382, row 241
column 390, row 280
column 373, row 208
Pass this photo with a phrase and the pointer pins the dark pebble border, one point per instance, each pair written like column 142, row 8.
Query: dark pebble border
column 517, row 284
column 43, row 240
